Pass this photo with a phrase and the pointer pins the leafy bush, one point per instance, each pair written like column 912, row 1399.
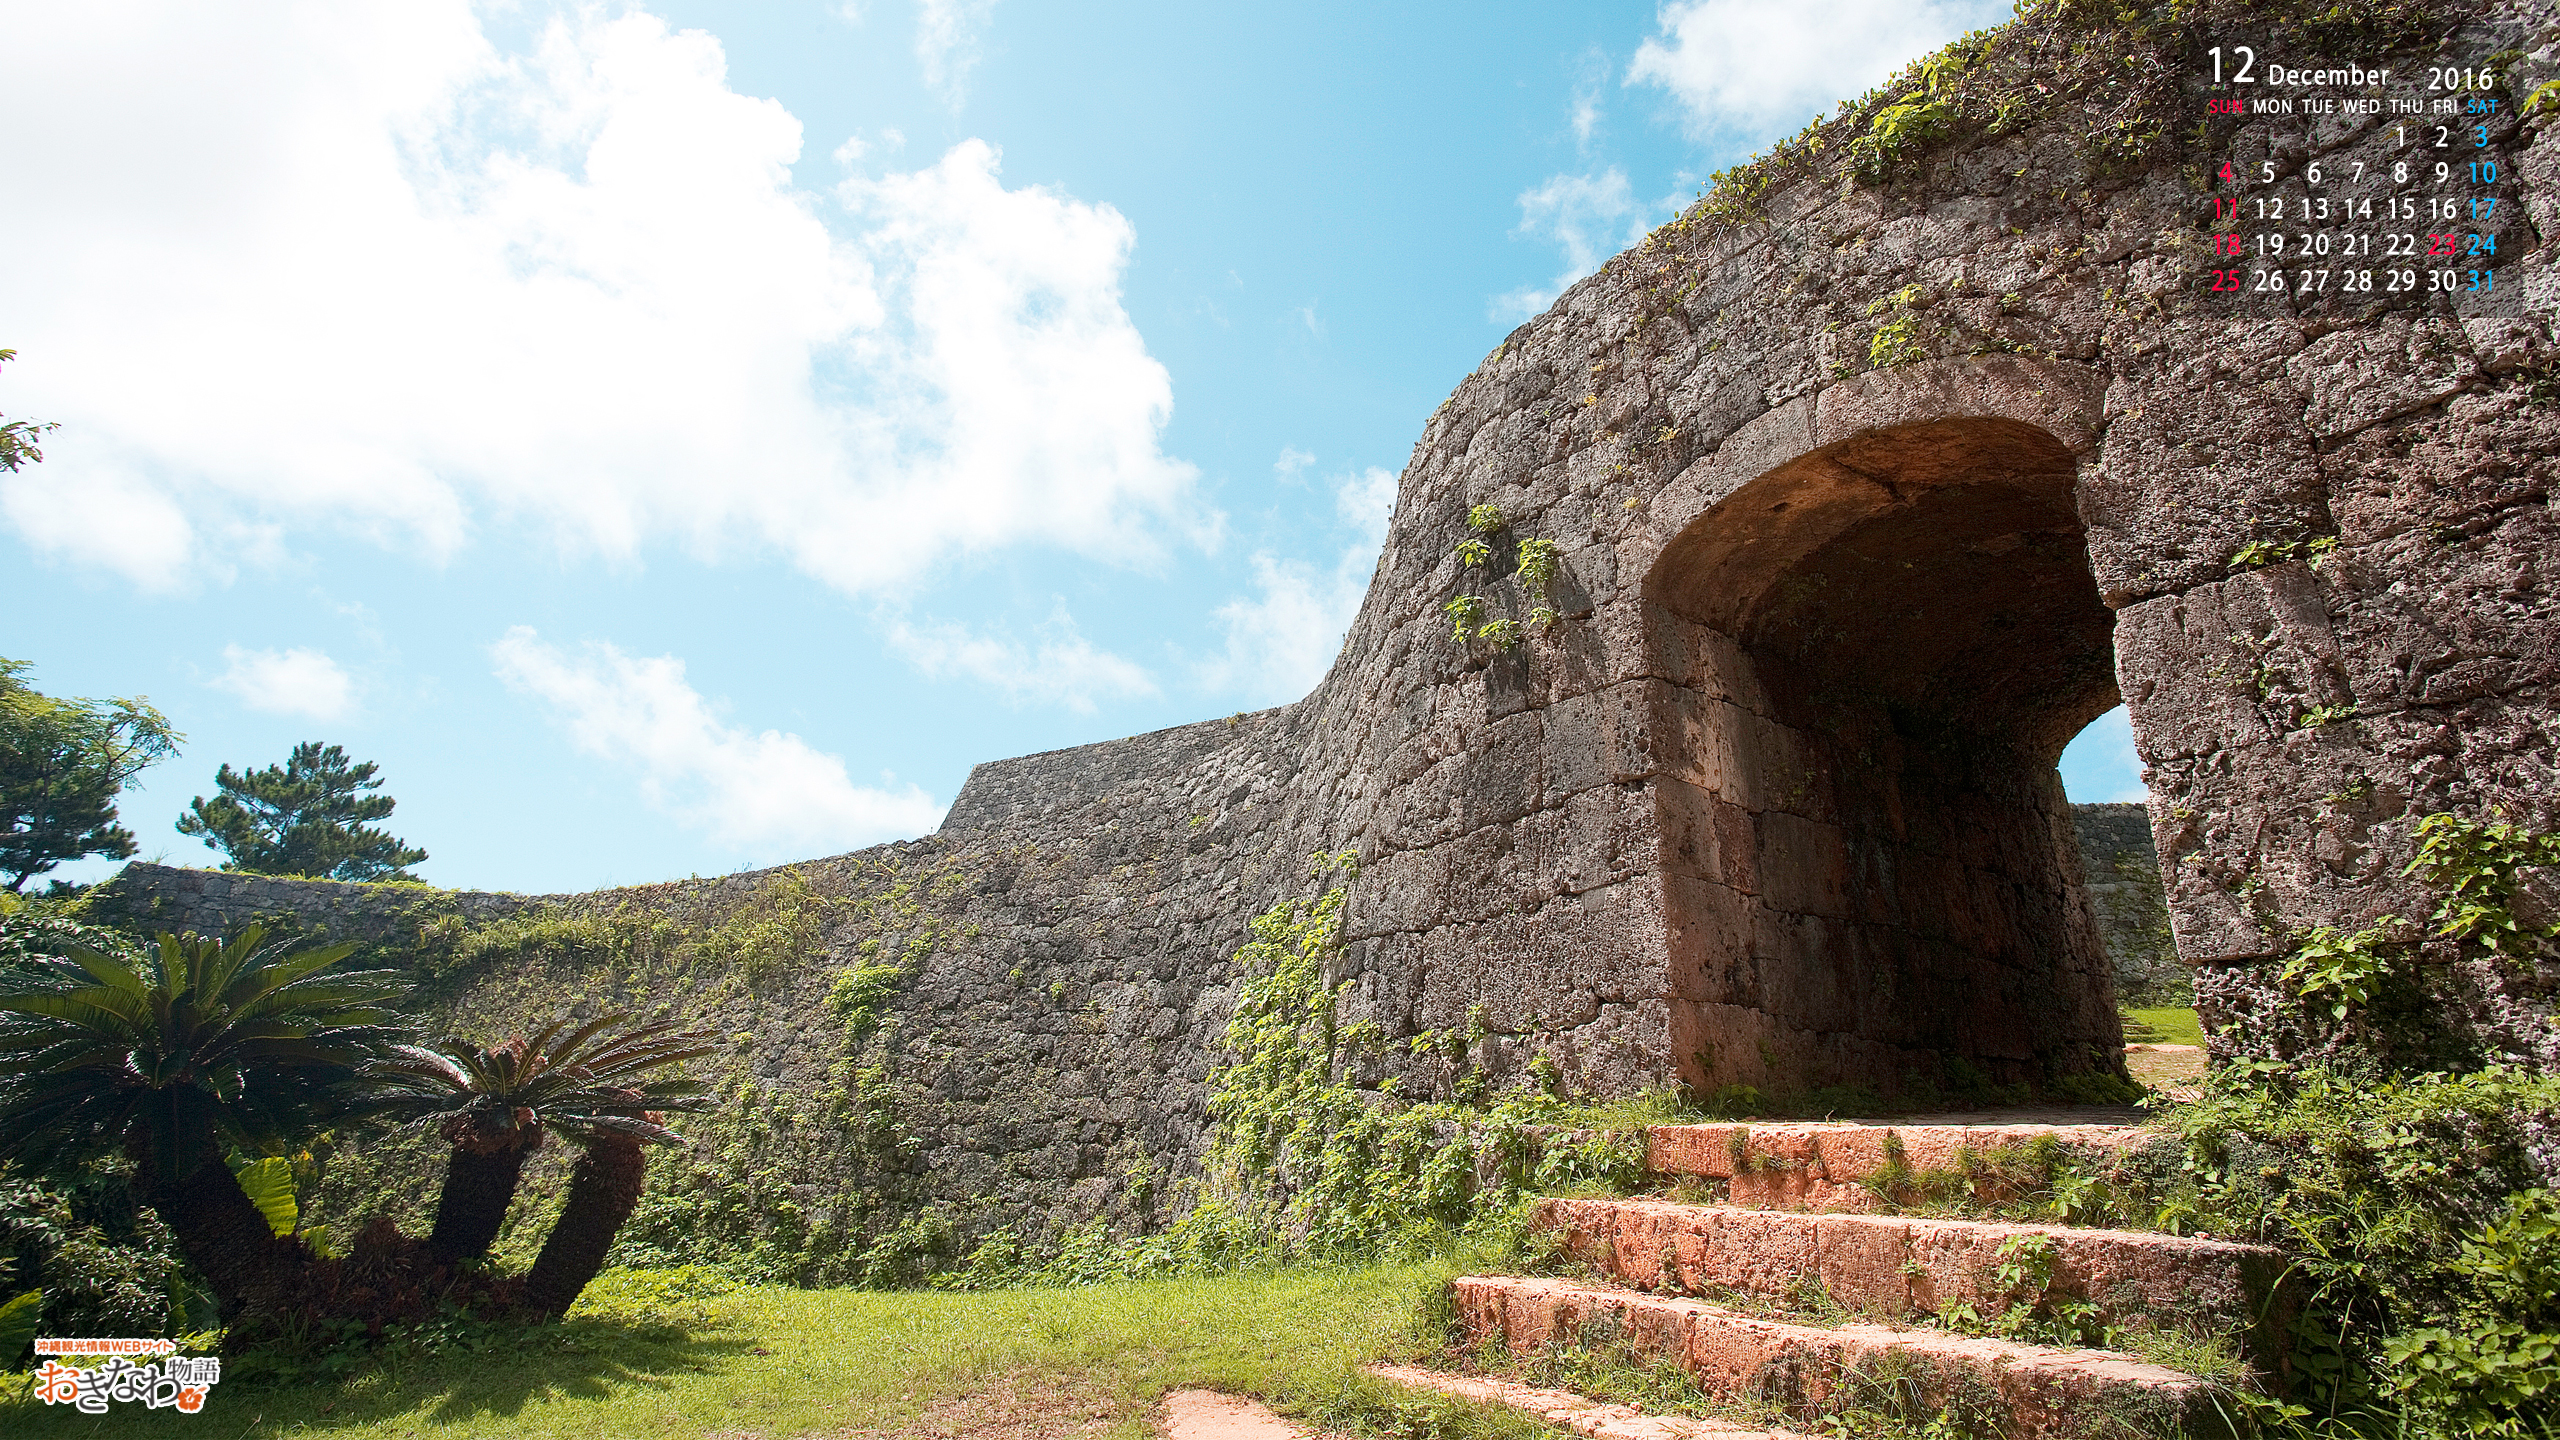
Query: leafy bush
column 2500, row 1362
column 2409, row 1203
column 105, row 1264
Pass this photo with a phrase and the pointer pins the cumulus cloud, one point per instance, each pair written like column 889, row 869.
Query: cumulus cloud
column 354, row 268
column 768, row 792
column 1281, row 639
column 1752, row 70
column 1588, row 217
column 287, row 682
column 1057, row 666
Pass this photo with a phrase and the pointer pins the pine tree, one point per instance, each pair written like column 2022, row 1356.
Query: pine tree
column 304, row 817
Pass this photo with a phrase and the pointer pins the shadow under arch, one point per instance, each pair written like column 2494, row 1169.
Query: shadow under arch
column 1874, row 653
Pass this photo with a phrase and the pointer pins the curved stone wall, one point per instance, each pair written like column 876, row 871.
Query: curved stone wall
column 1869, row 482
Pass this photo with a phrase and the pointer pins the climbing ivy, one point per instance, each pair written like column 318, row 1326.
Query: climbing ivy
column 1361, row 1170
column 2258, row 554
column 1539, row 563
column 2341, row 969
column 2476, row 862
column 1463, row 613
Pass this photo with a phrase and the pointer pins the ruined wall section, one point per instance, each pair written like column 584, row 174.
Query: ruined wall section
column 2121, row 872
column 2299, row 719
column 1046, row 1051
column 148, row 898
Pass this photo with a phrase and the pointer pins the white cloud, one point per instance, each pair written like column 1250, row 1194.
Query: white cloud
column 1591, row 77
column 1756, row 69
column 1366, row 502
column 1589, row 217
column 1586, row 116
column 855, row 148
column 1060, row 666
column 1017, row 362
column 352, row 268
column 947, row 35
column 768, row 792
column 288, row 682
column 1282, row 639
column 1292, row 460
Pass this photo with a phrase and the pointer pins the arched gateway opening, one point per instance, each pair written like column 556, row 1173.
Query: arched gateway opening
column 1877, row 651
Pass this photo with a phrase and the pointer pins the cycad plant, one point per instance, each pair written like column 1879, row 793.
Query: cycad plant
column 598, row 1084
column 180, row 1054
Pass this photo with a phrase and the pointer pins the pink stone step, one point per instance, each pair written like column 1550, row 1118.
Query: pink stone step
column 1565, row 1410
column 1820, row 1165
column 1896, row 1266
column 2028, row 1391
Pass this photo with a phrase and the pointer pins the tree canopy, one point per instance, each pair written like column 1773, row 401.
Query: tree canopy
column 62, row 764
column 304, row 817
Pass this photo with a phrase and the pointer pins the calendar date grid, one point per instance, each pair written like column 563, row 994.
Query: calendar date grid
column 2422, row 219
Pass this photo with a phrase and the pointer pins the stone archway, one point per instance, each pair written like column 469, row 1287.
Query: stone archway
column 1875, row 652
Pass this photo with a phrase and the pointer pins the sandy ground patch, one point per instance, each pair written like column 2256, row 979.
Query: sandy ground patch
column 1208, row 1415
column 2173, row 1068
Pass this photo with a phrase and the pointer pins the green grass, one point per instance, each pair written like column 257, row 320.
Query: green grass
column 644, row 1355
column 2163, row 1027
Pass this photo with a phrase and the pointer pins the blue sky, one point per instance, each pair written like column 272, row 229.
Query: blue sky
column 683, row 437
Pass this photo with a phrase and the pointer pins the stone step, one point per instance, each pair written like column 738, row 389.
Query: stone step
column 1824, row 1165
column 1895, row 1266
column 2023, row 1392
column 1599, row 1419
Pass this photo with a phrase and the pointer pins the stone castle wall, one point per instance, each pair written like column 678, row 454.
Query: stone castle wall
column 2121, row 873
column 1867, row 491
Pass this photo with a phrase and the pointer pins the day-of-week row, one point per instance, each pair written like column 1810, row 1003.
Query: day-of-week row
column 2333, row 105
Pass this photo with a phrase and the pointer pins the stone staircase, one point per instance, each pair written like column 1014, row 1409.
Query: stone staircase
column 1784, row 1284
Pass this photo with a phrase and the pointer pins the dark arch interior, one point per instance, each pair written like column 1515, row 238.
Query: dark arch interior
column 1967, row 610
column 1873, row 874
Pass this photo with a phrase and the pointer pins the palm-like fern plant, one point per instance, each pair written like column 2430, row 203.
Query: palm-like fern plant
column 179, row 1053
column 496, row 1104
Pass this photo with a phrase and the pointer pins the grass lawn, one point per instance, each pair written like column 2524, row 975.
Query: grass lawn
column 651, row 1354
column 2163, row 1027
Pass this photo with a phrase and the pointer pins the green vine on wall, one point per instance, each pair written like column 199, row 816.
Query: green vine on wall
column 1361, row 1170
column 2476, row 861
column 2259, row 554
column 2476, row 864
column 2344, row 970
column 1538, row 563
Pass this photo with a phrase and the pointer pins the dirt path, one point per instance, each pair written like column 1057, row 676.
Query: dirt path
column 1208, row 1415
